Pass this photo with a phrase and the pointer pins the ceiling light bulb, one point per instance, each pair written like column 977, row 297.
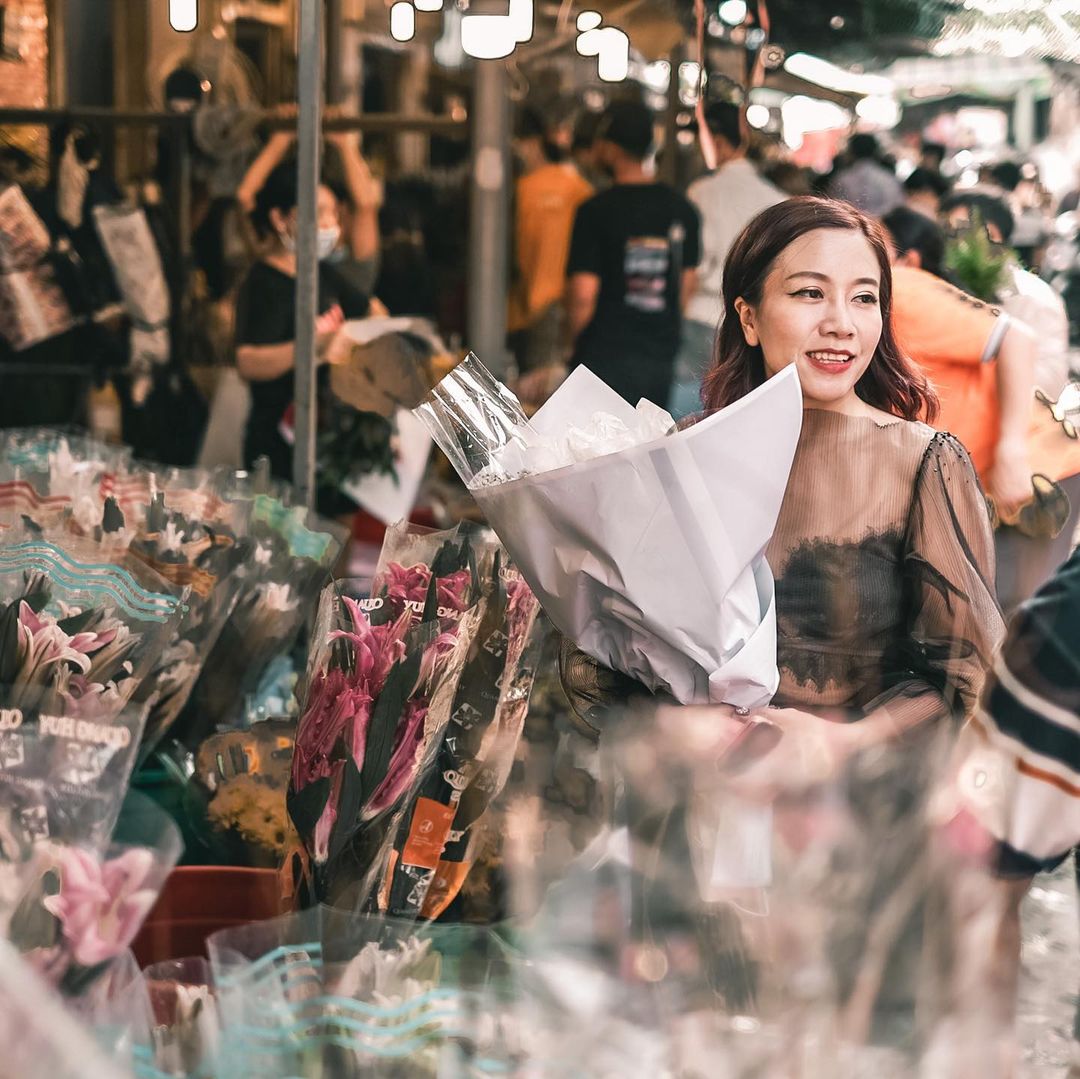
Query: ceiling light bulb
column 733, row 12
column 487, row 37
column 402, row 21
column 758, row 116
column 521, row 16
column 613, row 59
column 589, row 20
column 184, row 15
column 428, row 5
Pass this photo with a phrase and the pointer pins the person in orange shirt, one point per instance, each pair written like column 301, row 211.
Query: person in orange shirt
column 982, row 364
column 547, row 195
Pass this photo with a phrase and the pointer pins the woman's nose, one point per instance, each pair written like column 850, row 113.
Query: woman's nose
column 838, row 322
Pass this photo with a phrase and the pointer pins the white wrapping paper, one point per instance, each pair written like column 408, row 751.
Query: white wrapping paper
column 651, row 557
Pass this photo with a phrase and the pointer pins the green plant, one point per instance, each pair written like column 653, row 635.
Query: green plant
column 977, row 263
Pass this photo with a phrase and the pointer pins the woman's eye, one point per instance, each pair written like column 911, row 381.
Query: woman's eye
column 867, row 298
column 812, row 293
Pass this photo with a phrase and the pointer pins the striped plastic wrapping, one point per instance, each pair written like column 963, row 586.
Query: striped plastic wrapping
column 327, row 992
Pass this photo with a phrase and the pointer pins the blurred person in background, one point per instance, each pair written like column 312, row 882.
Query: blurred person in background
column 348, row 178
column 883, row 559
column 918, row 240
column 790, row 178
column 1018, row 778
column 866, row 183
column 1030, row 225
column 727, row 199
column 924, row 191
column 633, row 264
column 931, row 156
column 982, row 362
column 266, row 321
column 1024, row 295
column 547, row 195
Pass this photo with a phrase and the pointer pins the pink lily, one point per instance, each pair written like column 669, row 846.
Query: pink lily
column 408, row 746
column 101, row 905
column 407, row 584
column 325, row 824
column 453, row 589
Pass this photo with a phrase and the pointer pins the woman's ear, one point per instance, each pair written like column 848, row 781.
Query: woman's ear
column 278, row 221
column 746, row 321
column 911, row 258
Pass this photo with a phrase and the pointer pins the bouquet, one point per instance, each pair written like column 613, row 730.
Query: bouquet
column 380, row 686
column 643, row 546
column 434, row 849
column 284, row 559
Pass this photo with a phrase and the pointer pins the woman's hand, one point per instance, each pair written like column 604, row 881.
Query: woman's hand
column 326, row 329
column 812, row 752
column 1009, row 481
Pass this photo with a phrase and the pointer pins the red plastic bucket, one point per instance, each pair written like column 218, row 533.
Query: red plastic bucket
column 199, row 900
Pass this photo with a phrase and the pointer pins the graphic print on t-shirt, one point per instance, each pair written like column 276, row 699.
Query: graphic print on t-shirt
column 646, row 263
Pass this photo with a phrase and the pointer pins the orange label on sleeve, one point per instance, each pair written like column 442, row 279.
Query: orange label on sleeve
column 449, row 877
column 430, row 828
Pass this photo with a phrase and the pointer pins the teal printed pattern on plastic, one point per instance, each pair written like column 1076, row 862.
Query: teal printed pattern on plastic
column 102, row 578
column 287, row 521
column 282, row 987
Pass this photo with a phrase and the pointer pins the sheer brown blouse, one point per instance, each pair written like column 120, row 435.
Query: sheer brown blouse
column 884, row 561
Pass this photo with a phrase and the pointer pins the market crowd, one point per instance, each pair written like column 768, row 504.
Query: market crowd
column 927, row 590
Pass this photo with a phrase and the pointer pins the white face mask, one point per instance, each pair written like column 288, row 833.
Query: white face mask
column 327, row 241
column 324, row 245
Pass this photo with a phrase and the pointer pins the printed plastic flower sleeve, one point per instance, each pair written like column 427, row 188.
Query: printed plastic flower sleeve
column 329, row 992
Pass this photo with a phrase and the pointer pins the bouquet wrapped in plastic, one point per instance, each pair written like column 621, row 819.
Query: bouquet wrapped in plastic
column 644, row 545
column 381, row 680
column 328, row 992
column 435, row 846
column 80, row 901
column 47, row 474
column 285, row 558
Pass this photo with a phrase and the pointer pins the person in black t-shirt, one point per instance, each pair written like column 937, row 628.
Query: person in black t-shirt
column 266, row 317
column 632, row 267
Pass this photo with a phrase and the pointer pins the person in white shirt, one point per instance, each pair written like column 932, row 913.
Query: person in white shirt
column 727, row 199
column 866, row 183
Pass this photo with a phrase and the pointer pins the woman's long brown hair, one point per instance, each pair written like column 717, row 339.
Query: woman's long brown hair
column 891, row 382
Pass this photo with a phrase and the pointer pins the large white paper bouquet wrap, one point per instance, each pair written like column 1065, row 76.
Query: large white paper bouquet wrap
column 643, row 544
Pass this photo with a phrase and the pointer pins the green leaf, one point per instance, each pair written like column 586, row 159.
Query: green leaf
column 350, row 802
column 447, row 561
column 306, row 806
column 399, row 687
column 9, row 644
column 431, row 601
column 76, row 623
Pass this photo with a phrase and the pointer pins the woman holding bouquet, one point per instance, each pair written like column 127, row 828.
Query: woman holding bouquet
column 883, row 554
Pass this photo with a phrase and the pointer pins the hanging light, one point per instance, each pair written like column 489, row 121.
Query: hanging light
column 183, row 15
column 733, row 12
column 488, row 37
column 589, row 43
column 613, row 59
column 403, row 21
column 428, row 5
column 758, row 116
column 589, row 20
column 521, row 16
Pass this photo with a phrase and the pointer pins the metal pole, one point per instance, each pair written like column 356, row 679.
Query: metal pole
column 309, row 144
column 489, row 215
column 335, row 40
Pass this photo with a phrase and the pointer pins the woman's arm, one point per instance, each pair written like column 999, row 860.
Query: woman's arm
column 270, row 156
column 261, row 363
column 365, row 195
column 1010, row 479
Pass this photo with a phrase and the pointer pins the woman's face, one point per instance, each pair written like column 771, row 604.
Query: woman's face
column 820, row 309
column 326, row 214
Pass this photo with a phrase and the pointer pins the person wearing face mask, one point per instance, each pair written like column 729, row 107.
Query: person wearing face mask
column 266, row 316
